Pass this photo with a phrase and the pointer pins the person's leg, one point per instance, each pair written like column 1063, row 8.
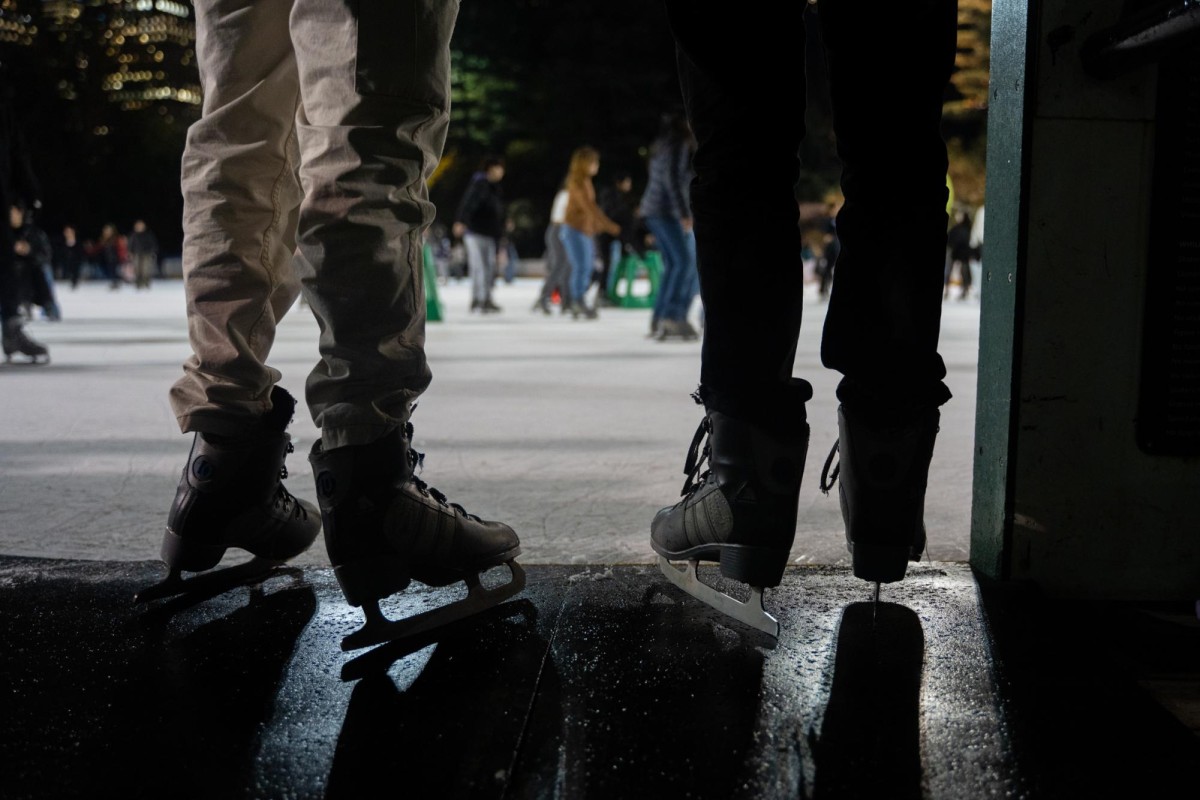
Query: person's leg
column 375, row 81
column 881, row 329
column 552, row 256
column 577, row 246
column 511, row 261
column 240, row 196
column 964, row 270
column 741, row 509
column 669, row 248
column 48, row 299
column 491, row 267
column 680, row 295
column 561, row 277
column 582, row 279
column 476, row 267
column 752, row 287
column 689, row 285
column 676, row 289
column 605, row 245
column 615, row 253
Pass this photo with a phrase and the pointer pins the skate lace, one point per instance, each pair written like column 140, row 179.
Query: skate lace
column 283, row 497
column 417, row 461
column 699, row 455
column 829, row 478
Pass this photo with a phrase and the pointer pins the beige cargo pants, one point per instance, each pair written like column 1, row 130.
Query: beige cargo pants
column 322, row 120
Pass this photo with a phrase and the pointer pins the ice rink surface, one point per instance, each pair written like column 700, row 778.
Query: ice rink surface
column 574, row 432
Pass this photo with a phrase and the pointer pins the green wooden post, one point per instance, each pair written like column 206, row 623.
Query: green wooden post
column 433, row 306
column 1004, row 257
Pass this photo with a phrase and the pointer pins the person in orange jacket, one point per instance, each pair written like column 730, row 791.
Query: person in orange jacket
column 584, row 220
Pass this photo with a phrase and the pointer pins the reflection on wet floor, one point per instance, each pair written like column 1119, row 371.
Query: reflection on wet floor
column 598, row 682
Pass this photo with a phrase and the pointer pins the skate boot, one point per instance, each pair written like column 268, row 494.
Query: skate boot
column 17, row 342
column 740, row 512
column 884, row 469
column 231, row 494
column 384, row 527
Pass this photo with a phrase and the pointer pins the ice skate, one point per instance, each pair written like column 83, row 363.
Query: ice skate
column 231, row 495
column 882, row 472
column 385, row 527
column 740, row 511
column 18, row 343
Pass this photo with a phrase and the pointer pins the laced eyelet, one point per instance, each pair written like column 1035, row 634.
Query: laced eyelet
column 699, row 453
column 417, row 462
column 829, row 478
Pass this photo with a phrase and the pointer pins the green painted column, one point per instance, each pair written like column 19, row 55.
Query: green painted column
column 1064, row 497
column 1004, row 237
column 433, row 305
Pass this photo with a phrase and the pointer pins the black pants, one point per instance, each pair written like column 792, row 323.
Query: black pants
column 889, row 64
column 10, row 285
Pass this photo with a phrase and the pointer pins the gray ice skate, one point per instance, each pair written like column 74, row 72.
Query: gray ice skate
column 385, row 527
column 739, row 512
column 882, row 472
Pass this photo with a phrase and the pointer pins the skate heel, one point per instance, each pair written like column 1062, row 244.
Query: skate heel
column 364, row 581
column 880, row 563
column 757, row 566
column 188, row 555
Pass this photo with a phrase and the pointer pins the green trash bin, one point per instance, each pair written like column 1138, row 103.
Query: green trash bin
column 433, row 306
column 621, row 278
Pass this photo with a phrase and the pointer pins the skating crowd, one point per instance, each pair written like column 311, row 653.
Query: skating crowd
column 40, row 262
column 599, row 244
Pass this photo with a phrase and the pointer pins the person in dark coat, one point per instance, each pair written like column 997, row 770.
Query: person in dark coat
column 959, row 254
column 18, row 186
column 480, row 223
column 143, row 250
column 617, row 201
column 32, row 253
column 68, row 256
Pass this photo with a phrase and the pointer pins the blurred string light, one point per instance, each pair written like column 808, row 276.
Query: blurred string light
column 143, row 49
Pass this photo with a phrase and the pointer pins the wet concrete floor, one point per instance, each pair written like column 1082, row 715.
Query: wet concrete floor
column 602, row 682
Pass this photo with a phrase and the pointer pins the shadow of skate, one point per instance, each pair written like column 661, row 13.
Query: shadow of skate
column 869, row 744
column 442, row 714
column 166, row 598
column 177, row 704
column 383, row 656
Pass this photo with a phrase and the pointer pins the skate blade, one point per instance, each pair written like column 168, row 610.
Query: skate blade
column 379, row 629
column 749, row 613
column 209, row 583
